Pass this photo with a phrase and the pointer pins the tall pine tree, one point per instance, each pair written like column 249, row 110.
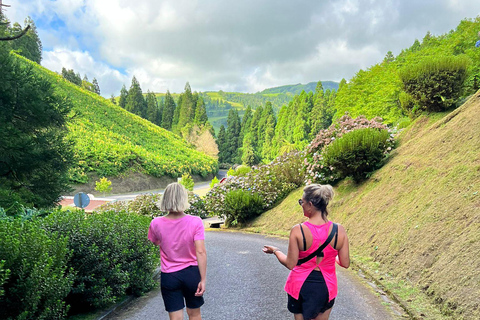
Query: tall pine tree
column 122, row 101
column 168, row 111
column 28, row 45
column 222, row 146
column 152, row 108
column 135, row 101
column 233, row 134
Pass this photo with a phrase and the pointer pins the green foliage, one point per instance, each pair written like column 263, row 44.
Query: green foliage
column 197, row 206
column 110, row 255
column 4, row 275
column 242, row 170
column 435, row 83
column 376, row 91
column 241, row 206
column 231, row 172
column 110, row 141
column 317, row 170
column 357, row 153
column 34, row 153
column 36, row 275
column 187, row 181
column 272, row 182
column 29, row 45
column 135, row 101
column 214, row 182
column 103, row 185
column 144, row 204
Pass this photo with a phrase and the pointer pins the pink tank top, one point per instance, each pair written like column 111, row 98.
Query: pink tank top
column 299, row 274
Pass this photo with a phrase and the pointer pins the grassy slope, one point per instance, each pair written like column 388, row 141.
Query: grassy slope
column 111, row 141
column 416, row 222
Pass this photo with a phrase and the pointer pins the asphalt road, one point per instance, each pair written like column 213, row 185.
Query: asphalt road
column 245, row 283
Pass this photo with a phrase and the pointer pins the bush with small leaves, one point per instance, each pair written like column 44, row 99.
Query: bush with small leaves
column 357, row 153
column 242, row 206
column 187, row 181
column 34, row 274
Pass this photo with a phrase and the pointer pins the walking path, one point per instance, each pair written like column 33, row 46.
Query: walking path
column 244, row 283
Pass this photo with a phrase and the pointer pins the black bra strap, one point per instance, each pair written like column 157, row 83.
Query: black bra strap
column 335, row 243
column 304, row 241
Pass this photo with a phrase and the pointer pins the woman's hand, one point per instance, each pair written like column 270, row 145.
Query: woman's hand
column 269, row 249
column 200, row 289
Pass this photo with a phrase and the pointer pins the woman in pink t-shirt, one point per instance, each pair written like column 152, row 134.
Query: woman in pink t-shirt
column 182, row 253
column 313, row 249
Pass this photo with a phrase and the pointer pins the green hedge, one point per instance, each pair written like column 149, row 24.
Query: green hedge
column 357, row 153
column 71, row 262
column 111, row 255
column 242, row 206
column 36, row 263
column 435, row 83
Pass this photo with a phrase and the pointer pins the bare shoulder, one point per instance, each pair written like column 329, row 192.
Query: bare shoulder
column 341, row 229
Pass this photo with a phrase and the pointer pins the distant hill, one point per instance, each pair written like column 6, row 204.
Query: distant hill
column 112, row 142
column 298, row 88
column 219, row 103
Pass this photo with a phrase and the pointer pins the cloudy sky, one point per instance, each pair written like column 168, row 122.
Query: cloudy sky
column 241, row 45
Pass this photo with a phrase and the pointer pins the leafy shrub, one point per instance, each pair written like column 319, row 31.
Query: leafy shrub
column 230, row 172
column 144, row 204
column 242, row 206
column 197, row 206
column 436, row 82
column 242, row 170
column 214, row 182
column 272, row 182
column 357, row 153
column 316, row 169
column 34, row 271
column 187, row 181
column 111, row 256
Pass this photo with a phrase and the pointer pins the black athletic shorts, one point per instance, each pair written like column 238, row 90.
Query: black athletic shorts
column 178, row 288
column 313, row 298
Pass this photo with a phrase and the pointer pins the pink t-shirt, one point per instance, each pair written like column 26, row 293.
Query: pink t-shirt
column 299, row 274
column 176, row 238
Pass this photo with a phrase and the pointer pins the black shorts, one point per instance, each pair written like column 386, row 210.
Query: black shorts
column 313, row 298
column 178, row 288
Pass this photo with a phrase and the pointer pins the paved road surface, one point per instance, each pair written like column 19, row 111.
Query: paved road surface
column 244, row 283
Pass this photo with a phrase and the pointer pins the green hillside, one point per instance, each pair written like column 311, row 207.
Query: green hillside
column 415, row 223
column 375, row 91
column 298, row 88
column 110, row 141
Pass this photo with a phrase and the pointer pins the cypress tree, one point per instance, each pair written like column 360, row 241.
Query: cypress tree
column 135, row 101
column 152, row 107
column 96, row 87
column 122, row 101
column 222, row 145
column 168, row 111
column 201, row 117
column 28, row 45
column 233, row 134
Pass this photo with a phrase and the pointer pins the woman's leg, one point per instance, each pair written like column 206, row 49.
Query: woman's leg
column 194, row 314
column 324, row 316
column 176, row 315
column 298, row 316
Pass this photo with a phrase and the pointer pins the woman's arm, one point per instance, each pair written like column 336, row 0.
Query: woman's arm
column 201, row 253
column 343, row 257
column 290, row 260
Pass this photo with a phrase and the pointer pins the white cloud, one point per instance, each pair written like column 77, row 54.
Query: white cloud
column 109, row 79
column 243, row 45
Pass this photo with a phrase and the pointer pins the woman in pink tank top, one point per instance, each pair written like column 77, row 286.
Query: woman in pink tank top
column 182, row 253
column 313, row 249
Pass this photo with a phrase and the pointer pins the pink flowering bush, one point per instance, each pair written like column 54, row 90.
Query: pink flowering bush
column 272, row 182
column 316, row 168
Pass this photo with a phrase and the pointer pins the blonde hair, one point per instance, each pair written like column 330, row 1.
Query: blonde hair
column 174, row 199
column 319, row 195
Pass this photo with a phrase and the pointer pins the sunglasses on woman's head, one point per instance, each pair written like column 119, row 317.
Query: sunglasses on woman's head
column 300, row 201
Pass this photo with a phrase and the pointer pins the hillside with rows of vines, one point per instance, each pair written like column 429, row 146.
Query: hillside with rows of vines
column 110, row 141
